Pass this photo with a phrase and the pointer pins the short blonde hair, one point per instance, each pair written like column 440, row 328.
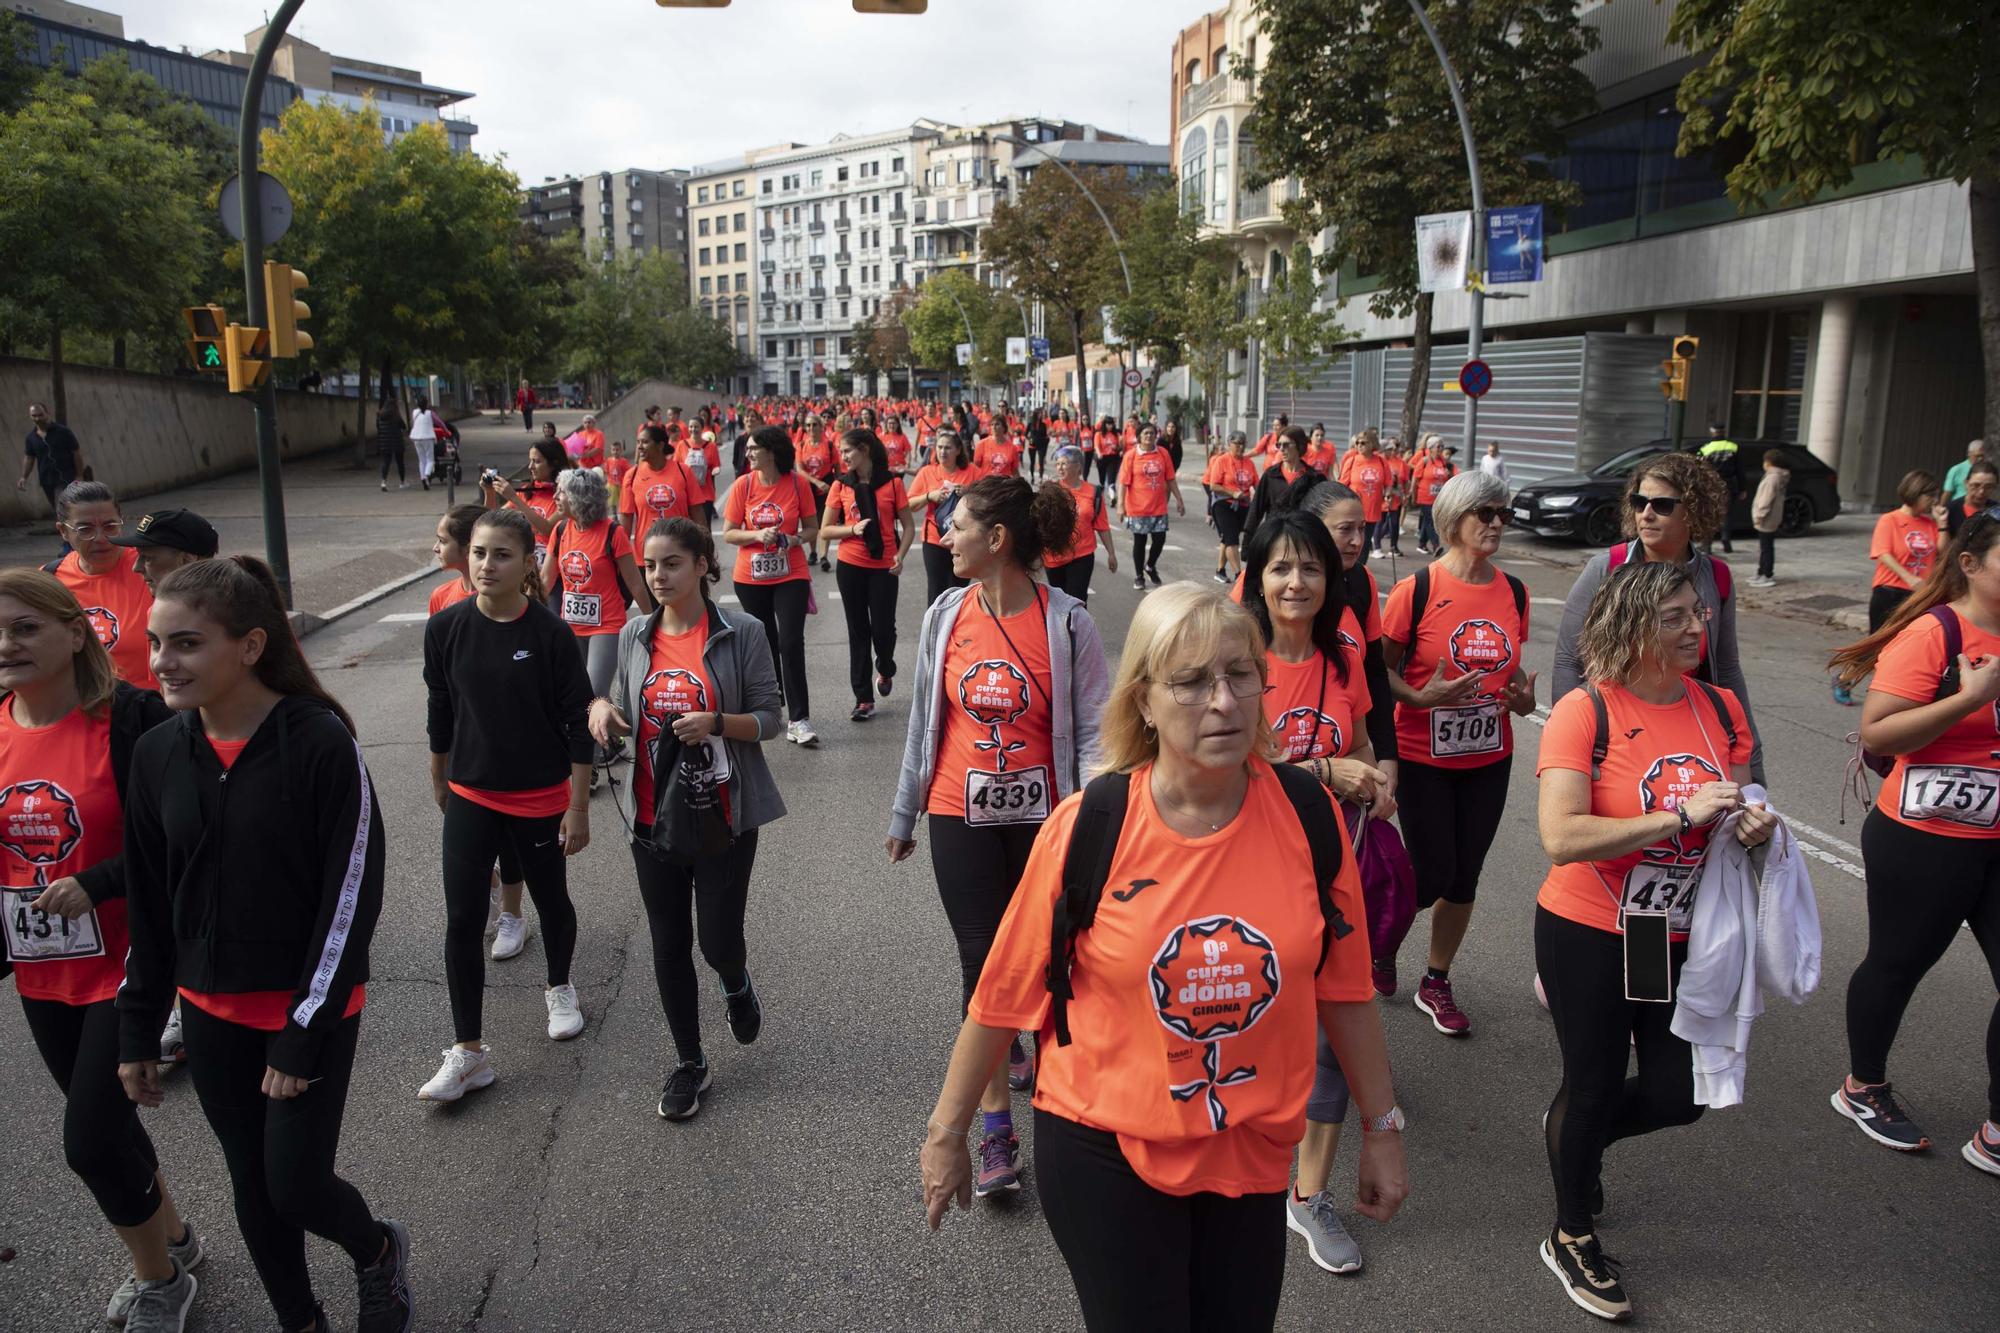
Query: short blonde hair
column 1621, row 631
column 1179, row 624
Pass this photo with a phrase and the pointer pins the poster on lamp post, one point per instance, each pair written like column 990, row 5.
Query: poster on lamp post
column 1444, row 251
column 1514, row 244
column 1017, row 351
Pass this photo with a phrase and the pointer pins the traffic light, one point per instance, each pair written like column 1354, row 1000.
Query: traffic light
column 247, row 352
column 205, row 331
column 1675, row 385
column 1686, row 346
column 284, row 311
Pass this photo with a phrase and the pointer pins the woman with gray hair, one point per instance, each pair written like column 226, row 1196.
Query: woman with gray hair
column 1454, row 637
column 1071, row 567
column 590, row 570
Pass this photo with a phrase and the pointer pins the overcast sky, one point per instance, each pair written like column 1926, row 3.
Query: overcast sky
column 565, row 86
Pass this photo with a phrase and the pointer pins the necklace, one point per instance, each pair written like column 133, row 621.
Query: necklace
column 1183, row 811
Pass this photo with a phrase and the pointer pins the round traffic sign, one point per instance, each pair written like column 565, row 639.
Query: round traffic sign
column 1133, row 379
column 274, row 203
column 1475, row 377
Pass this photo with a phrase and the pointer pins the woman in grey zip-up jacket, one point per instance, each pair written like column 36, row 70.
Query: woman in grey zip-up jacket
column 1011, row 683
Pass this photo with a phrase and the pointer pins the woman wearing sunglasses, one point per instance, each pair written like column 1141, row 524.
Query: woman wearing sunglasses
column 1673, row 505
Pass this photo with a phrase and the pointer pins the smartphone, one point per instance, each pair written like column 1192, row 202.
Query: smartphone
column 1649, row 965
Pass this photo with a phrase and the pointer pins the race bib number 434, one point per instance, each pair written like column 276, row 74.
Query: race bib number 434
column 37, row 935
column 1961, row 794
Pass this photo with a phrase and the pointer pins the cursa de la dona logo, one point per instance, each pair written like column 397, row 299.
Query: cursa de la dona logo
column 39, row 823
column 1213, row 978
column 994, row 693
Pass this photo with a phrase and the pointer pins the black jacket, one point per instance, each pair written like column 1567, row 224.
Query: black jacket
column 261, row 877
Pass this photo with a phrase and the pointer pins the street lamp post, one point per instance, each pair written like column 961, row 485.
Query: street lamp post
column 1475, row 325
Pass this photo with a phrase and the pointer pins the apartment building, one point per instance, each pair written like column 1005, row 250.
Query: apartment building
column 722, row 251
column 401, row 98
column 617, row 213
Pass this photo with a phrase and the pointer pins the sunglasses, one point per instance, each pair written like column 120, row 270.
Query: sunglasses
column 1493, row 514
column 1663, row 505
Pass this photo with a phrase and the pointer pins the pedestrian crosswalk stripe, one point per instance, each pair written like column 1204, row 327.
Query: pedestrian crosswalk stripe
column 404, row 617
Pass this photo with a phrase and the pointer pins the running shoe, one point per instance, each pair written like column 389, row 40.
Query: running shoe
column 863, row 711
column 801, row 733
column 173, row 1045
column 746, row 1012
column 1139, row 582
column 186, row 1252
column 1763, row 581
column 463, row 1071
column 1588, row 1274
column 1881, row 1117
column 999, row 1165
column 1153, row 573
column 1326, row 1235
column 386, row 1304
column 1383, row 974
column 884, row 684
column 509, row 937
column 680, row 1098
column 565, row 1014
column 1020, row 1065
column 385, row 488
column 1434, row 998
column 1842, row 695
column 826, row 566
column 1983, row 1148
column 1221, row 577
column 160, row 1305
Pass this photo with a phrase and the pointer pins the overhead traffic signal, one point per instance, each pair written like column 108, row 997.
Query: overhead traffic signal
column 1686, row 346
column 284, row 311
column 205, row 332
column 247, row 352
column 1675, row 385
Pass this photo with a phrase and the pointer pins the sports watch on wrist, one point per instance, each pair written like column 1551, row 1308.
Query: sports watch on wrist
column 1390, row 1120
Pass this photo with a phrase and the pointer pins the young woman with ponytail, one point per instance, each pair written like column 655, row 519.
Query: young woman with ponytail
column 1931, row 845
column 868, row 512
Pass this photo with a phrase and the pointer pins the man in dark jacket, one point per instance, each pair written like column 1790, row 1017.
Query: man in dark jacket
column 52, row 453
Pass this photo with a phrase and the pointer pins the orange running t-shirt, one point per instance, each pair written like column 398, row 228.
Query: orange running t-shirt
column 784, row 506
column 1142, row 482
column 1911, row 540
column 843, row 507
column 1311, row 712
column 653, row 493
column 449, row 592
column 677, row 681
column 586, row 560
column 1658, row 755
column 929, row 478
column 1951, row 786
column 1431, row 477
column 1106, row 444
column 1090, row 520
column 1230, row 477
column 1368, row 477
column 996, row 759
column 997, row 457
column 1474, row 627
column 816, row 460
column 116, row 603
column 59, row 814
column 1194, row 1008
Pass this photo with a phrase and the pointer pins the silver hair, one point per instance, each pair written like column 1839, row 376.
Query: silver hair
column 1069, row 453
column 584, row 495
column 1460, row 496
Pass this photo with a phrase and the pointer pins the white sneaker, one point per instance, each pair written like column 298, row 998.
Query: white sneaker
column 565, row 1014
column 801, row 733
column 509, row 937
column 173, row 1046
column 463, row 1071
column 492, row 912
column 1761, row 581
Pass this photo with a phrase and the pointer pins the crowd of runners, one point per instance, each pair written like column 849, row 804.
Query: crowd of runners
column 1172, row 867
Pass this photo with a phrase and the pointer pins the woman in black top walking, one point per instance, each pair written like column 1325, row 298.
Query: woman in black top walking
column 389, row 430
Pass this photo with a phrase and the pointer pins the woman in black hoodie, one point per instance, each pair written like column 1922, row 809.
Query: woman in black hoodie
column 253, row 865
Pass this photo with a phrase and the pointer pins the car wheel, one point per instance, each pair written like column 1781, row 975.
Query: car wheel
column 1798, row 517
column 1600, row 525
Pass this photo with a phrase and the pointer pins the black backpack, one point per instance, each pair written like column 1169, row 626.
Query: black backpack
column 1600, row 742
column 1421, row 598
column 1093, row 840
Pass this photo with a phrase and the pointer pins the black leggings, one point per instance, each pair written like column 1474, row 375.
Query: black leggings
column 1141, row 561
column 1073, row 576
column 280, row 1154
column 781, row 609
column 714, row 893
column 977, row 872
column 1038, row 458
column 868, row 597
column 473, row 837
column 1107, row 471
column 1882, row 604
column 1148, row 1262
column 1920, row 887
column 1450, row 817
column 397, row 455
column 103, row 1140
column 1583, row 974
column 937, row 572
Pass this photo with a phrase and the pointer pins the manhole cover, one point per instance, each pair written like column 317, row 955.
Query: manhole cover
column 1826, row 601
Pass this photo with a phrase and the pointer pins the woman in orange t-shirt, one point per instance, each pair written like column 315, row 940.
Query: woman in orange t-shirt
column 1627, row 833
column 868, row 513
column 949, row 472
column 770, row 517
column 1216, row 942
column 1230, row 480
column 817, row 461
column 1931, row 845
column 105, row 577
column 67, row 729
column 1104, row 442
column 1145, row 479
column 1904, row 547
column 1070, row 566
column 589, row 566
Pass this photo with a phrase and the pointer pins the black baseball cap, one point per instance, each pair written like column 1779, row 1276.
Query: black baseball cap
column 181, row 529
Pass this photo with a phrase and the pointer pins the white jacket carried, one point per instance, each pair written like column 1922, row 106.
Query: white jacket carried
column 1755, row 929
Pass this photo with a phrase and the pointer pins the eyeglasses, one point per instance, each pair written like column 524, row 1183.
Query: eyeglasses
column 90, row 531
column 1675, row 622
column 1493, row 514
column 1663, row 505
column 1198, row 687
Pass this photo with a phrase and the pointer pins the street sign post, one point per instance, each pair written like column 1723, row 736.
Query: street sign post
column 1039, row 347
column 1475, row 377
column 1133, row 379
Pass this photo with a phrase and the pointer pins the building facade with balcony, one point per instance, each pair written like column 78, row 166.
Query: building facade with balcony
column 722, row 253
column 617, row 213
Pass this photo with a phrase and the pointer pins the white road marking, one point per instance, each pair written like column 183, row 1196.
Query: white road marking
column 1548, row 601
column 1171, row 547
column 404, row 617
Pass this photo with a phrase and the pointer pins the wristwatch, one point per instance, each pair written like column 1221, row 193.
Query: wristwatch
column 1687, row 825
column 1390, row 1120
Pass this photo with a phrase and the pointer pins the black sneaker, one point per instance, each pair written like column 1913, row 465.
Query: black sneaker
column 680, row 1098
column 1221, row 577
column 386, row 1305
column 1874, row 1108
column 884, row 685
column 746, row 1015
column 1153, row 573
column 863, row 711
column 1139, row 582
column 1588, row 1274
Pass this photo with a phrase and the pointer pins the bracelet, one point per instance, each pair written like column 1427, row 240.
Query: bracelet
column 957, row 1133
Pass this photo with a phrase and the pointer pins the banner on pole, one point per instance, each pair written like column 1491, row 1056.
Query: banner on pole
column 1444, row 251
column 965, row 354
column 1514, row 244
column 1017, row 351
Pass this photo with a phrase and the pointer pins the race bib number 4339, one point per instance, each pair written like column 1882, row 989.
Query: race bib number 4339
column 37, row 935
column 1959, row 793
column 1017, row 796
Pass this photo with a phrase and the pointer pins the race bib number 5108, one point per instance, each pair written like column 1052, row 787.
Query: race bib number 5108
column 1462, row 731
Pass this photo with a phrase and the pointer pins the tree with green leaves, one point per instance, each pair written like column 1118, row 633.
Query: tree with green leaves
column 17, row 74
column 1212, row 326
column 1352, row 103
column 936, row 323
column 1821, row 86
column 1163, row 243
column 1298, row 336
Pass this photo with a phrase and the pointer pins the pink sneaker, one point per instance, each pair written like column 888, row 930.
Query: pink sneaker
column 1384, row 977
column 1434, row 998
column 999, row 1165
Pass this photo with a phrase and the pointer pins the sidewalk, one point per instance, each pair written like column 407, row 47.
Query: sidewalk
column 347, row 538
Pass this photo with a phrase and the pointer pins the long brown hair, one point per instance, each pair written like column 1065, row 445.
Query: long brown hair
column 46, row 595
column 240, row 594
column 515, row 524
column 1947, row 583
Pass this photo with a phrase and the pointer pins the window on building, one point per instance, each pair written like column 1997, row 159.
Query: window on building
column 817, row 179
column 1219, row 207
column 1218, row 62
column 736, row 190
column 705, row 289
column 738, row 223
column 704, row 256
column 1770, row 379
column 701, row 194
column 742, row 282
column 701, row 227
column 1194, row 72
column 771, row 347
column 740, row 252
column 819, row 310
column 1194, row 169
column 767, row 187
column 843, row 310
column 897, row 204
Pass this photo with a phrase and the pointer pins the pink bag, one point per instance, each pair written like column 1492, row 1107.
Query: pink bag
column 1388, row 884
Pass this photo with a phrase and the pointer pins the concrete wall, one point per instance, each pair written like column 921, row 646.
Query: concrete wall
column 620, row 421
column 147, row 433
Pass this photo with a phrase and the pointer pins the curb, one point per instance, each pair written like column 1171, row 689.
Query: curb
column 307, row 622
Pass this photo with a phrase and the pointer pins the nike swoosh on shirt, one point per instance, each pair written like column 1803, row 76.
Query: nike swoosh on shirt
column 522, row 654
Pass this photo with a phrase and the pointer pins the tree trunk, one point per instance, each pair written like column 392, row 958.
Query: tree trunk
column 118, row 352
column 1420, row 376
column 1986, row 280
column 361, row 413
column 1082, row 375
column 58, row 392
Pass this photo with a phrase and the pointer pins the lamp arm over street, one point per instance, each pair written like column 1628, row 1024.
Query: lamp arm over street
column 1475, row 325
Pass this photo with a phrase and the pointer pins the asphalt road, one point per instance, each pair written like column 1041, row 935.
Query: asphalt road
column 558, row 1199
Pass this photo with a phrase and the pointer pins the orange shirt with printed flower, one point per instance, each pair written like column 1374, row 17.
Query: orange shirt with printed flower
column 929, row 478
column 59, row 814
column 817, row 460
column 1232, row 478
column 677, row 681
column 1090, row 520
column 1143, row 475
column 449, row 592
column 842, row 506
column 653, row 493
column 586, row 562
column 784, row 506
column 1909, row 539
column 1951, row 786
column 897, row 446
column 1106, row 443
column 1474, row 627
column 995, row 682
column 1658, row 756
column 1368, row 477
column 116, row 603
column 997, row 456
column 1311, row 712
column 1430, row 479
column 1200, row 975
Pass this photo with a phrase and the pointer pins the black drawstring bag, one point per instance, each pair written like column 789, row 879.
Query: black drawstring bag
column 691, row 825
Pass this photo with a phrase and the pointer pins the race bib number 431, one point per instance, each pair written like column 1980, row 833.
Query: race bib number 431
column 1961, row 794
column 36, row 935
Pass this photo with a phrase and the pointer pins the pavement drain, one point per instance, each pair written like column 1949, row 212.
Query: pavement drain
column 1825, row 601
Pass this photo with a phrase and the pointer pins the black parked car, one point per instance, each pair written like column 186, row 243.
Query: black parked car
column 1585, row 505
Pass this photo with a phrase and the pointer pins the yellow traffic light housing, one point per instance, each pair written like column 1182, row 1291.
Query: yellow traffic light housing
column 284, row 312
column 1675, row 385
column 1686, row 346
column 247, row 354
column 206, row 326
